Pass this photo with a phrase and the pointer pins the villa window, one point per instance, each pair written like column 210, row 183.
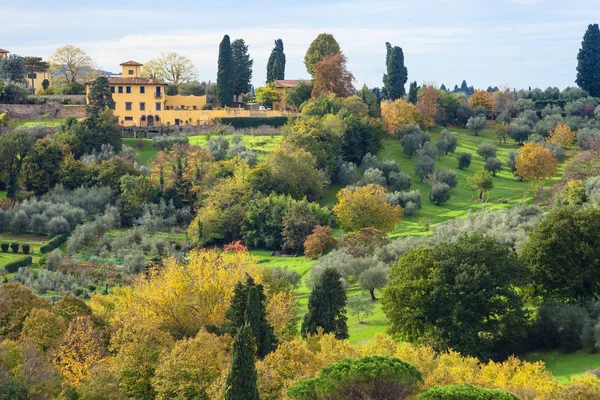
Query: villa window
column 128, row 118
column 32, row 76
column 158, row 106
column 142, row 89
column 120, row 89
column 128, row 106
column 142, row 106
column 128, row 89
column 112, row 89
column 130, row 72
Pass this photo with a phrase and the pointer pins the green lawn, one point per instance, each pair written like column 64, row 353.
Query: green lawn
column 263, row 144
column 507, row 190
column 47, row 122
column 566, row 366
column 2, row 194
column 145, row 152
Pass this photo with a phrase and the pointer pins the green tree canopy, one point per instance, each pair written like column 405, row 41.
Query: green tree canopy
column 276, row 63
column 99, row 97
column 588, row 61
column 397, row 74
column 241, row 379
column 225, row 73
column 242, row 67
column 323, row 46
column 465, row 392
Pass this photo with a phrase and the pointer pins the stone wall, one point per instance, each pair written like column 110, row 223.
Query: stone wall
column 32, row 111
column 73, row 98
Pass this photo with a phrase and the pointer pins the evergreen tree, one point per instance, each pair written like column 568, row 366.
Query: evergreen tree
column 241, row 379
column 99, row 97
column 33, row 65
column 276, row 63
column 464, row 87
column 456, row 89
column 12, row 69
column 255, row 316
column 370, row 99
column 323, row 46
column 326, row 307
column 443, row 88
column 225, row 73
column 242, row 65
column 412, row 92
column 588, row 62
column 397, row 73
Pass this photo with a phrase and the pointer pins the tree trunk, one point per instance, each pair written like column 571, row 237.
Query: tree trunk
column 372, row 291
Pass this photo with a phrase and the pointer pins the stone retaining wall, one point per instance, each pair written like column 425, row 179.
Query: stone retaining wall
column 32, row 111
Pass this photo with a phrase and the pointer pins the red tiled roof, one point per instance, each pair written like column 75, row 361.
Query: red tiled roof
column 4, row 51
column 118, row 80
column 132, row 63
column 290, row 83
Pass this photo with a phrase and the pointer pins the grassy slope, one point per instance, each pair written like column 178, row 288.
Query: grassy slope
column 566, row 366
column 2, row 194
column 48, row 122
column 33, row 240
column 145, row 153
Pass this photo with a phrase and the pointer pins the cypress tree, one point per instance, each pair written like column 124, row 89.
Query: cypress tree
column 397, row 73
column 412, row 92
column 225, row 77
column 242, row 65
column 464, row 87
column 241, row 379
column 588, row 61
column 276, row 63
column 327, row 306
column 99, row 98
column 255, row 316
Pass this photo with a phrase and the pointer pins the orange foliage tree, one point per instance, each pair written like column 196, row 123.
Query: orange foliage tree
column 398, row 114
column 562, row 134
column 427, row 106
column 482, row 98
column 332, row 76
column 366, row 207
column 319, row 241
column 535, row 162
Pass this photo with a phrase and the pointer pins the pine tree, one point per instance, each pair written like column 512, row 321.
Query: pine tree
column 255, row 316
column 464, row 87
column 443, row 88
column 225, row 77
column 99, row 97
column 412, row 92
column 588, row 61
column 276, row 63
column 397, row 73
column 242, row 66
column 326, row 307
column 241, row 379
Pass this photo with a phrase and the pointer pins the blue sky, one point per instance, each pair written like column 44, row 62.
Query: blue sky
column 516, row 43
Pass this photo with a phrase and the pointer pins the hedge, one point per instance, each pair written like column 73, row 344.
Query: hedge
column 26, row 248
column 4, row 247
column 14, row 247
column 465, row 392
column 15, row 265
column 54, row 243
column 252, row 122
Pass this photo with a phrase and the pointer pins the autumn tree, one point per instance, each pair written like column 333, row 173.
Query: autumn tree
column 364, row 242
column 319, row 242
column 482, row 182
column 171, row 67
column 71, row 62
column 482, row 98
column 398, row 115
column 331, row 76
column 562, row 134
column 80, row 349
column 276, row 63
column 427, row 106
column 323, row 46
column 16, row 304
column 241, row 380
column 268, row 94
column 43, row 328
column 396, row 72
column 327, row 307
column 535, row 162
column 366, row 207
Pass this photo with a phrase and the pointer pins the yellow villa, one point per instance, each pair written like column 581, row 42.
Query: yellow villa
column 4, row 53
column 35, row 78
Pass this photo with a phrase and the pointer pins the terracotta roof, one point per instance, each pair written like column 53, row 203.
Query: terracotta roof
column 117, row 80
column 290, row 83
column 4, row 51
column 132, row 63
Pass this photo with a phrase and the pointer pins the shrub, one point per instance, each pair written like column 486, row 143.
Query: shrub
column 372, row 176
column 164, row 142
column 464, row 160
column 448, row 177
column 399, row 181
column 487, row 150
column 57, row 225
column 410, row 209
column 26, row 248
column 207, row 107
column 440, row 193
column 53, row 243
column 253, row 122
column 493, row 165
column 465, row 392
column 346, row 174
column 14, row 247
column 4, row 247
column 14, row 266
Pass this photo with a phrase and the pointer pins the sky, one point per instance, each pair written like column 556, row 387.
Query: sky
column 514, row 43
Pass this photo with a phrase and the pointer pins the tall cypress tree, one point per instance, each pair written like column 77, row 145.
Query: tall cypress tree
column 588, row 61
column 99, row 97
column 241, row 379
column 225, row 73
column 242, row 66
column 327, row 307
column 255, row 316
column 397, row 73
column 276, row 63
column 412, row 92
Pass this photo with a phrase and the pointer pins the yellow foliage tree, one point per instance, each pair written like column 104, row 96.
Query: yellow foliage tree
column 562, row 134
column 535, row 162
column 427, row 106
column 366, row 207
column 43, row 328
column 80, row 349
column 192, row 367
column 398, row 114
column 482, row 98
column 184, row 296
column 281, row 310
